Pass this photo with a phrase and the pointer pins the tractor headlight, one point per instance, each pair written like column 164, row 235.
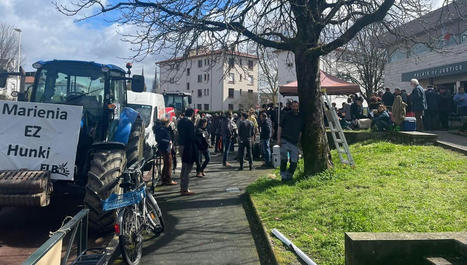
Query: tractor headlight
column 105, row 69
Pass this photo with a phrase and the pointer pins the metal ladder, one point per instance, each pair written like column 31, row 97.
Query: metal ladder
column 336, row 131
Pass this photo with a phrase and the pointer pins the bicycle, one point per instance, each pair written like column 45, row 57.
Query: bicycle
column 137, row 211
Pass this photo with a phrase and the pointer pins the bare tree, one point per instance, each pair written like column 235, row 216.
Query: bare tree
column 362, row 61
column 269, row 72
column 308, row 28
column 8, row 47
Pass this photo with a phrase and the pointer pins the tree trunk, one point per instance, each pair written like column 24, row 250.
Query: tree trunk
column 314, row 141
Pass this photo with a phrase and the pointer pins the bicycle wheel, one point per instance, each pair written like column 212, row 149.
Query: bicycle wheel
column 131, row 240
column 154, row 215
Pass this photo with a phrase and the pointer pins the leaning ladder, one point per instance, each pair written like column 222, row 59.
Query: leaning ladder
column 336, row 131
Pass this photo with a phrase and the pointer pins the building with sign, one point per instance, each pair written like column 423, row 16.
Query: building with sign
column 432, row 49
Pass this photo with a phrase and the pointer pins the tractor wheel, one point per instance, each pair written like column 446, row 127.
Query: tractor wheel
column 105, row 166
column 135, row 146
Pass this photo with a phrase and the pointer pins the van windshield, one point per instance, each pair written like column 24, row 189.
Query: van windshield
column 144, row 111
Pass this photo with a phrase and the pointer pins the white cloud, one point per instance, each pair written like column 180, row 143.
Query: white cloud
column 48, row 34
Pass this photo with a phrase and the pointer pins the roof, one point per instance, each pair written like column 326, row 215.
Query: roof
column 215, row 52
column 92, row 63
column 444, row 15
column 332, row 85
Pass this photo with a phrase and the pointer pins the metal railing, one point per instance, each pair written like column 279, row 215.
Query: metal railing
column 77, row 226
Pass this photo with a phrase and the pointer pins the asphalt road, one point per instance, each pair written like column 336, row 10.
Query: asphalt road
column 210, row 227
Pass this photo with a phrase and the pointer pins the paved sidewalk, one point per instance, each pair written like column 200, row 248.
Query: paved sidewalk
column 210, row 227
column 452, row 140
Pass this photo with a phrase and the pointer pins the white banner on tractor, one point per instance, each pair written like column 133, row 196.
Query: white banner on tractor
column 39, row 136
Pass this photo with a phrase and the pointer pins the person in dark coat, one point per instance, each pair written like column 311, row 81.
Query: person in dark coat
column 431, row 117
column 356, row 109
column 388, row 98
column 446, row 106
column 228, row 129
column 418, row 102
column 202, row 142
column 188, row 149
column 265, row 135
column 381, row 120
column 164, row 146
column 246, row 131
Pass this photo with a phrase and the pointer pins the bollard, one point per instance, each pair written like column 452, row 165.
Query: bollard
column 276, row 156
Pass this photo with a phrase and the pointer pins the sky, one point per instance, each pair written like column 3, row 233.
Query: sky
column 48, row 34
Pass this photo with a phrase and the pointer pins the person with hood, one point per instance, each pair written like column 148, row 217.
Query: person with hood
column 399, row 108
column 202, row 142
column 418, row 101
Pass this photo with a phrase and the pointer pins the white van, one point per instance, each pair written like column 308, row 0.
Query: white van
column 151, row 106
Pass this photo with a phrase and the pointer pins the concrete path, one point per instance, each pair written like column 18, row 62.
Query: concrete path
column 452, row 140
column 210, row 227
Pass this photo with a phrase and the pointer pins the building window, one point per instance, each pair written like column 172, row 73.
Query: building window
column 450, row 39
column 188, row 72
column 171, row 67
column 187, row 86
column 231, row 93
column 397, row 55
column 172, row 80
column 231, row 62
column 250, row 64
column 200, row 63
column 177, row 66
column 200, row 78
column 240, row 92
column 419, row 48
column 208, row 77
column 231, row 78
column 206, row 106
column 250, row 91
column 231, row 107
column 199, row 106
column 250, row 80
column 200, row 93
column 205, row 77
column 240, row 62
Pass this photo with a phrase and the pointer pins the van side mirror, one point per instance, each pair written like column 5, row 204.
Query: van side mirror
column 3, row 78
column 137, row 83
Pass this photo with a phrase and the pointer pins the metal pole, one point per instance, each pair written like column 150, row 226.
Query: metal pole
column 19, row 57
column 289, row 243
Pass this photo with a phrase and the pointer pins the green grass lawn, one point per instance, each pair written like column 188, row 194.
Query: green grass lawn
column 393, row 188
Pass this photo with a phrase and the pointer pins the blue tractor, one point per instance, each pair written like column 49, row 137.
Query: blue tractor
column 111, row 136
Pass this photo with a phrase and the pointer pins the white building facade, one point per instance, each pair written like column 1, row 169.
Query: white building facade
column 217, row 80
column 435, row 55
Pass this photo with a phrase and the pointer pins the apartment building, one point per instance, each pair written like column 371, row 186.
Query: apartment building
column 218, row 80
column 433, row 50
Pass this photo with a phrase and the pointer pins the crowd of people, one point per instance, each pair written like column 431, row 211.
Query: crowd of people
column 191, row 136
column 431, row 108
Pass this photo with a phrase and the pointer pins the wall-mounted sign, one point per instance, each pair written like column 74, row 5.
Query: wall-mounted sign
column 445, row 70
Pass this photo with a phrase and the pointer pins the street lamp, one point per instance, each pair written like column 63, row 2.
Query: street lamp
column 19, row 48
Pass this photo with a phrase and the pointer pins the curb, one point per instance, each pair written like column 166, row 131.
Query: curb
column 271, row 259
column 451, row 147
